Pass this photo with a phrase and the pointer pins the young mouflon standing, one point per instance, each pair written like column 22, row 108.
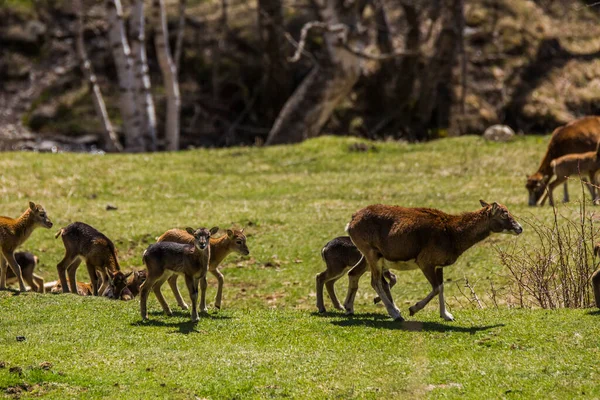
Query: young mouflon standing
column 574, row 164
column 420, row 238
column 83, row 242
column 233, row 241
column 13, row 232
column 341, row 255
column 163, row 259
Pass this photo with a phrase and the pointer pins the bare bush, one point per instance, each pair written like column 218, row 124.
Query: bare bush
column 554, row 272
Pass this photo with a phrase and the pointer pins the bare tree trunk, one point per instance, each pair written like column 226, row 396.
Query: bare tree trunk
column 180, row 33
column 312, row 103
column 440, row 65
column 134, row 140
column 221, row 34
column 143, row 97
column 277, row 71
column 169, row 73
column 409, row 66
column 111, row 141
column 379, row 89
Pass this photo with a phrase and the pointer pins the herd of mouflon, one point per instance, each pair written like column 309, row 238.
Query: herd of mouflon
column 380, row 238
column 405, row 238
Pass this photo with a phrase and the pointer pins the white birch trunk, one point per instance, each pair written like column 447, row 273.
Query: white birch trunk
column 169, row 73
column 143, row 97
column 111, row 141
column 134, row 140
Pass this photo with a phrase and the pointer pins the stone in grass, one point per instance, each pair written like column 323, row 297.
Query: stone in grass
column 499, row 133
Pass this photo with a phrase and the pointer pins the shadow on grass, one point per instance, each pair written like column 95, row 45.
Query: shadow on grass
column 595, row 312
column 184, row 327
column 342, row 314
column 384, row 322
column 329, row 314
column 15, row 292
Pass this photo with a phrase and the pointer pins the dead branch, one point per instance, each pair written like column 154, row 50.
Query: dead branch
column 336, row 28
column 475, row 297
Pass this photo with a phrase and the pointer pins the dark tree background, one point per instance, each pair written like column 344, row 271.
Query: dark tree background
column 281, row 71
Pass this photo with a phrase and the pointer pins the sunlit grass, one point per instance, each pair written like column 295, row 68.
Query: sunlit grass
column 266, row 342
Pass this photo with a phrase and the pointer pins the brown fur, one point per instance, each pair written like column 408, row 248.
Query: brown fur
column 83, row 242
column 83, row 289
column 28, row 262
column 574, row 164
column 221, row 247
column 136, row 281
column 422, row 238
column 340, row 255
column 164, row 259
column 13, row 232
column 579, row 136
column 118, row 286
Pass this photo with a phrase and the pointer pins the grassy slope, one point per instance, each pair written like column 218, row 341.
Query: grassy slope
column 266, row 342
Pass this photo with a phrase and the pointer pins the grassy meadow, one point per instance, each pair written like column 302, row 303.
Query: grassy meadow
column 267, row 341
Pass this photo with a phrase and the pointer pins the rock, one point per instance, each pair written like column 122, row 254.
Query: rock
column 499, row 133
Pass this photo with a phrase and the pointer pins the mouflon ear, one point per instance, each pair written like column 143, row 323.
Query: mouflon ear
column 190, row 230
column 494, row 207
column 214, row 230
column 229, row 233
column 483, row 203
column 32, row 205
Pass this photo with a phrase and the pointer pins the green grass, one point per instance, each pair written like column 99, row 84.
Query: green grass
column 267, row 341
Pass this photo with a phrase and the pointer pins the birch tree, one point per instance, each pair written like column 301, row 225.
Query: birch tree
column 143, row 97
column 111, row 141
column 134, row 140
column 169, row 73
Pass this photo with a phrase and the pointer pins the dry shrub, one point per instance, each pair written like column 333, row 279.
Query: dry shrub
column 554, row 272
